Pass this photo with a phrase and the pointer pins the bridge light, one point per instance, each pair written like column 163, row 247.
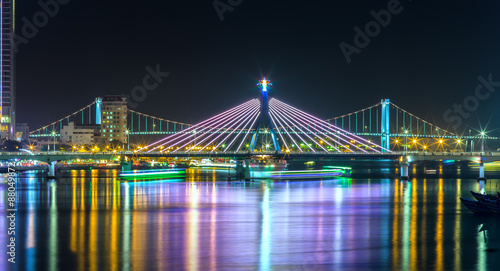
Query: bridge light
column 440, row 141
column 414, row 141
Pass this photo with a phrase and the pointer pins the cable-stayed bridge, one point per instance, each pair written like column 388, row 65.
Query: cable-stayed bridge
column 270, row 125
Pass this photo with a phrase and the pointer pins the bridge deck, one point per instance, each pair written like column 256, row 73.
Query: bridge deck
column 412, row 156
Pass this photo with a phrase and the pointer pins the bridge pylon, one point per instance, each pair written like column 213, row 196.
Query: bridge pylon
column 265, row 118
column 385, row 141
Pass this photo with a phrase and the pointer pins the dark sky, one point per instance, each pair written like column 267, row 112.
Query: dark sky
column 427, row 59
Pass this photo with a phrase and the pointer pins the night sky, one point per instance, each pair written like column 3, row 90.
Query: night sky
column 428, row 57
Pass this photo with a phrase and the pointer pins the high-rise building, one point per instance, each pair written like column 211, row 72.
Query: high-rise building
column 7, row 66
column 114, row 118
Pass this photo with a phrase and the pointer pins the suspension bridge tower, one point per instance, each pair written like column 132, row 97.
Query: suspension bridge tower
column 385, row 138
column 265, row 119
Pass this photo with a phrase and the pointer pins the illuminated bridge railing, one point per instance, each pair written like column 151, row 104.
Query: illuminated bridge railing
column 156, row 153
column 71, row 155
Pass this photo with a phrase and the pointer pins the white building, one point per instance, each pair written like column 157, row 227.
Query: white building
column 79, row 134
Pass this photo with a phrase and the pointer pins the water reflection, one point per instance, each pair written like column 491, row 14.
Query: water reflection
column 92, row 220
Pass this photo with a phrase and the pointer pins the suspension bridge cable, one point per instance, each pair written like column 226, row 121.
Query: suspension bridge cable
column 422, row 120
column 346, row 115
column 67, row 117
column 160, row 119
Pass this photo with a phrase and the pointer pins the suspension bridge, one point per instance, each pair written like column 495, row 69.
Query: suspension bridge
column 270, row 125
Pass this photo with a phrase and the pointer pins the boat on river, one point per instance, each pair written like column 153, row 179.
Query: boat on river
column 480, row 196
column 476, row 207
column 152, row 174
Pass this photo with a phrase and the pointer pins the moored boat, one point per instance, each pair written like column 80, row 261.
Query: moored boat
column 476, row 207
column 480, row 196
column 493, row 205
column 152, row 174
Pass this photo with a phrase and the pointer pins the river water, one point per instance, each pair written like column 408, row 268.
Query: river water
column 90, row 220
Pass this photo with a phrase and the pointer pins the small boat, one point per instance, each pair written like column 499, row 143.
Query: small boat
column 430, row 171
column 493, row 205
column 480, row 196
column 476, row 207
column 209, row 163
column 153, row 174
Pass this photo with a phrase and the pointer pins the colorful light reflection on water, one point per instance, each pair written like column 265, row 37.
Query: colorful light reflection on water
column 92, row 221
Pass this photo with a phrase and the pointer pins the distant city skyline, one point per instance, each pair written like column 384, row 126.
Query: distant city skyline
column 425, row 59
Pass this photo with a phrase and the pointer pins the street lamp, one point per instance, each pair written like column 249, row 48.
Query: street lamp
column 406, row 140
column 482, row 137
column 54, row 135
column 128, row 139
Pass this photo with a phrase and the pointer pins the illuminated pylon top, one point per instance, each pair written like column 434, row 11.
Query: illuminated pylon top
column 264, row 83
